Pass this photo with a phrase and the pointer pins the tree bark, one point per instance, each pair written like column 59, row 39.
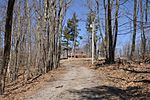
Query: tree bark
column 134, row 33
column 106, row 32
column 143, row 37
column 7, row 45
column 111, row 58
column 116, row 29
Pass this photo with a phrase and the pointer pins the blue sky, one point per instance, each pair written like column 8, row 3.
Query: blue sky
column 81, row 10
column 78, row 7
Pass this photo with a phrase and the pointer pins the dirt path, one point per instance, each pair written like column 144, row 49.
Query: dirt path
column 76, row 80
column 77, row 77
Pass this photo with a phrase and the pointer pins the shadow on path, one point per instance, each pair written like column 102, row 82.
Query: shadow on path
column 111, row 93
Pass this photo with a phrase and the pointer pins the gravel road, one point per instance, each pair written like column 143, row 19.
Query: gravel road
column 76, row 78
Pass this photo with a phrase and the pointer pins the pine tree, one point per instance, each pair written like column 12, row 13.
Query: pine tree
column 72, row 32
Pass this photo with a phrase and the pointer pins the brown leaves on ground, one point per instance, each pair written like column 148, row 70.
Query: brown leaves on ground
column 113, row 82
column 19, row 89
column 133, row 79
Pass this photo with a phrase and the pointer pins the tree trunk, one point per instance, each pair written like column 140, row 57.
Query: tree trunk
column 146, row 11
column 17, row 46
column 93, row 36
column 7, row 45
column 27, row 31
column 106, row 32
column 143, row 37
column 67, row 48
column 116, row 29
column 134, row 33
column 111, row 57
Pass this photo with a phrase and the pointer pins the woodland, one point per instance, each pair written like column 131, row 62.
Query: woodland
column 36, row 36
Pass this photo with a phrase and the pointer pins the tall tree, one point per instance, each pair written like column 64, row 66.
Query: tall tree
column 111, row 59
column 66, row 40
column 112, row 36
column 17, row 44
column 7, row 44
column 143, row 37
column 106, row 30
column 116, row 28
column 29, row 39
column 72, row 24
column 134, row 32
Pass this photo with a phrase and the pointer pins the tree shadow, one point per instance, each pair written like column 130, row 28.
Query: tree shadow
column 111, row 93
column 101, row 64
column 134, row 71
column 105, row 63
column 143, row 81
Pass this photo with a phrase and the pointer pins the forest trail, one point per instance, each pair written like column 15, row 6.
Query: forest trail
column 76, row 78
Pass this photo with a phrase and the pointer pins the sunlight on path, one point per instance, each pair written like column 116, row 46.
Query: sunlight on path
column 76, row 78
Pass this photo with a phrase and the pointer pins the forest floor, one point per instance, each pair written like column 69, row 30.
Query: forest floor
column 78, row 80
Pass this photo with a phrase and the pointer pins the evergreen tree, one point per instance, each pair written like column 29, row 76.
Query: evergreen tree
column 71, row 32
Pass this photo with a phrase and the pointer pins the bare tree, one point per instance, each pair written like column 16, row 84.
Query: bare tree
column 17, row 44
column 143, row 37
column 134, row 33
column 116, row 28
column 7, row 44
column 111, row 59
column 106, row 29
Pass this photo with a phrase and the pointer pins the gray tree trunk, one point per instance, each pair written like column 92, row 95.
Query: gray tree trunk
column 134, row 33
